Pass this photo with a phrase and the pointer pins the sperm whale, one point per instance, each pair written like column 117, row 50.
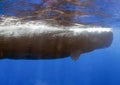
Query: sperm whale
column 37, row 40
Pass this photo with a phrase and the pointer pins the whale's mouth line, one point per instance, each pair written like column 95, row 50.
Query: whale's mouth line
column 38, row 40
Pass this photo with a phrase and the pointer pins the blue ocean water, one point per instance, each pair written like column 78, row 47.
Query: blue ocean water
column 99, row 67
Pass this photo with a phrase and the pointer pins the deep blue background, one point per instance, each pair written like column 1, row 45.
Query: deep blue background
column 99, row 67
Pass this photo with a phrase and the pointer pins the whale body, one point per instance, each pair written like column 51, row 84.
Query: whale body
column 42, row 41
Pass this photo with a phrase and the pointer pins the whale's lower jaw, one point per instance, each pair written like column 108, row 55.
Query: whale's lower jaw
column 40, row 41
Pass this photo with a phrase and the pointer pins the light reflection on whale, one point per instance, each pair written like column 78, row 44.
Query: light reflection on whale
column 38, row 40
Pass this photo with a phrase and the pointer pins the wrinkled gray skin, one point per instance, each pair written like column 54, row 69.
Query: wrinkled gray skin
column 57, row 44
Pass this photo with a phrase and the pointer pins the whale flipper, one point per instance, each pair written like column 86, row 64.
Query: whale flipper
column 75, row 55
